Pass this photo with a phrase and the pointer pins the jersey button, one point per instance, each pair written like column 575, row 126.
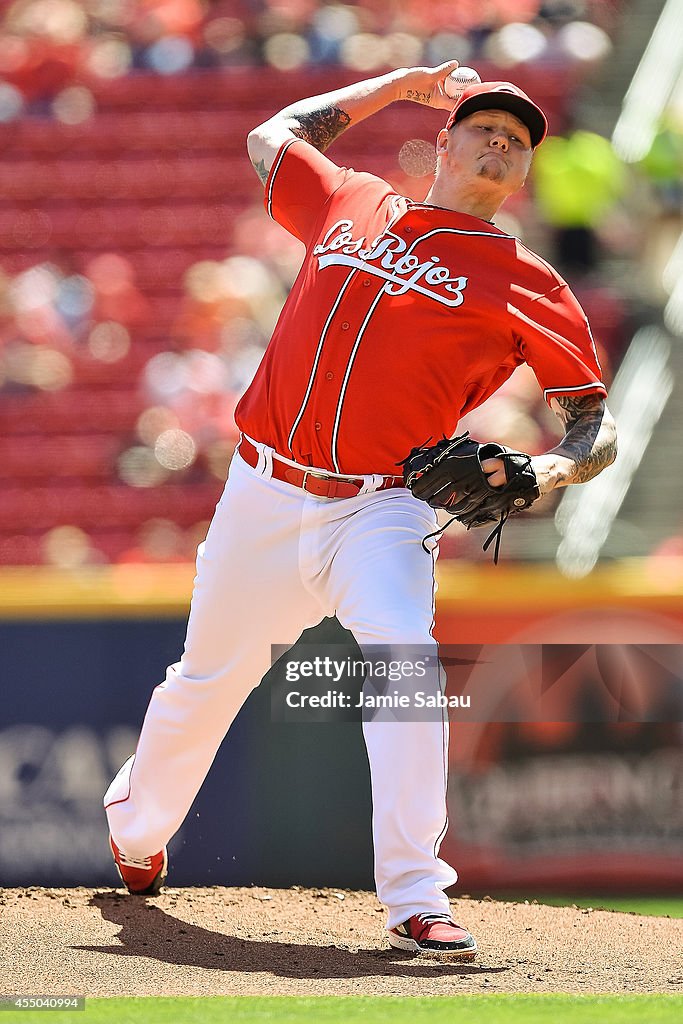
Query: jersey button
column 408, row 230
column 329, row 375
column 345, row 326
column 367, row 282
column 318, row 426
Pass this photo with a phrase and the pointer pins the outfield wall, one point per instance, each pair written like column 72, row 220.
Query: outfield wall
column 532, row 804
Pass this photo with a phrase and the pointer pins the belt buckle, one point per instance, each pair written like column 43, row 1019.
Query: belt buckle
column 316, row 476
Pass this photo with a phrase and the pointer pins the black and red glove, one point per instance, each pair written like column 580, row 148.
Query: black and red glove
column 449, row 475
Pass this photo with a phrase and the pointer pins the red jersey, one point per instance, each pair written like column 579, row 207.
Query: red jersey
column 403, row 318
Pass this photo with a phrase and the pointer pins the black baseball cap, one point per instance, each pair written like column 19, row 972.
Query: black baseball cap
column 501, row 96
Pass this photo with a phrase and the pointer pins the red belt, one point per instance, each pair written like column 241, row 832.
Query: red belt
column 311, row 481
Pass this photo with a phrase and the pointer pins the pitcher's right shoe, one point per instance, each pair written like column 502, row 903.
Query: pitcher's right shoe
column 144, row 876
column 436, row 933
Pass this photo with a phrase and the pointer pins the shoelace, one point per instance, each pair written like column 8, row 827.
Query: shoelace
column 144, row 863
column 432, row 918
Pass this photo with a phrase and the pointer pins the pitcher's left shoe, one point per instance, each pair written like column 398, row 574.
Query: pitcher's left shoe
column 435, row 932
column 141, row 876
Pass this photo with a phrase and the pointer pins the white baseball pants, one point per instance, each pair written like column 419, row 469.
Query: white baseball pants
column 276, row 560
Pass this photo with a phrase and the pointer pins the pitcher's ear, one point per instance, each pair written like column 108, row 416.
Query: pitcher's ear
column 441, row 142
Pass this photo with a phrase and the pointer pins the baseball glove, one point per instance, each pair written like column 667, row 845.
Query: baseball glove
column 449, row 475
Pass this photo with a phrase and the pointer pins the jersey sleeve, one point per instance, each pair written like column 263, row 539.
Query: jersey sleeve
column 299, row 185
column 555, row 340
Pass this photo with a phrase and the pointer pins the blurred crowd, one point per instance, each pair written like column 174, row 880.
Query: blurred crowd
column 190, row 352
column 46, row 45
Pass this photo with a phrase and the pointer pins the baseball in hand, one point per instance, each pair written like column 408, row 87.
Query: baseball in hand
column 459, row 80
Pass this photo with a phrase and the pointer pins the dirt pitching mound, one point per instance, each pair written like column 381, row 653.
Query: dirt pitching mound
column 218, row 941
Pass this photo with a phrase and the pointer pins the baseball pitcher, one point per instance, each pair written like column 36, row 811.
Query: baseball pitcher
column 404, row 316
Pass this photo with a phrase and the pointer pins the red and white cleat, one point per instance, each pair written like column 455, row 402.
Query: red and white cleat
column 434, row 932
column 141, row 876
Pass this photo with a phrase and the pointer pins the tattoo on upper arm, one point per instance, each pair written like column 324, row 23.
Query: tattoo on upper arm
column 318, row 127
column 590, row 439
column 260, row 168
column 321, row 127
column 574, row 406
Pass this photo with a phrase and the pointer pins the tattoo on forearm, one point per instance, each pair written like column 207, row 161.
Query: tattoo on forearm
column 418, row 97
column 260, row 168
column 321, row 127
column 590, row 440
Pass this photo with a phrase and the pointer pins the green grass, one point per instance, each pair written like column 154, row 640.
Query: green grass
column 522, row 1009
column 652, row 906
